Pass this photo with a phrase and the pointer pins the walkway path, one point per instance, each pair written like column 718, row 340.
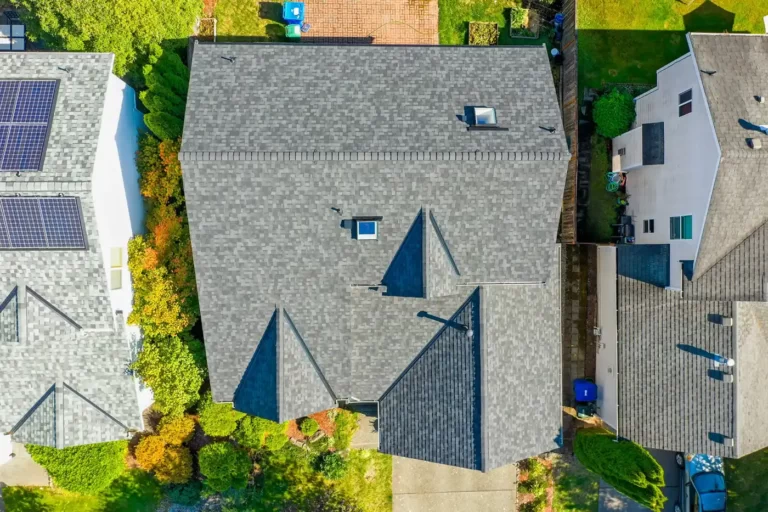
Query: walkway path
column 371, row 21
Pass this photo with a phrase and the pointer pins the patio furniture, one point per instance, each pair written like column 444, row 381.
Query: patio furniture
column 293, row 13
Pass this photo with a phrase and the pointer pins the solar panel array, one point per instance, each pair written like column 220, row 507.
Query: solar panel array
column 41, row 223
column 26, row 107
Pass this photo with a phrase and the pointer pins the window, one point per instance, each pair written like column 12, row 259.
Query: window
column 367, row 230
column 116, row 274
column 685, row 103
column 681, row 227
column 648, row 226
column 622, row 151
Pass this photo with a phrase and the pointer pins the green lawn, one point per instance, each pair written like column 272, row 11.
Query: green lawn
column 746, row 482
column 455, row 15
column 623, row 43
column 576, row 489
column 134, row 491
column 249, row 20
column 601, row 210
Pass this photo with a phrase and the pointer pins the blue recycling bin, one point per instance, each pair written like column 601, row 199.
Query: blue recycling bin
column 293, row 13
column 584, row 390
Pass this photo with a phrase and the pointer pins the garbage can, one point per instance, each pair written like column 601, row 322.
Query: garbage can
column 293, row 12
column 293, row 31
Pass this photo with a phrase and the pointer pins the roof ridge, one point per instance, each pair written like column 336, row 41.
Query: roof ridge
column 307, row 352
column 278, row 156
column 92, row 404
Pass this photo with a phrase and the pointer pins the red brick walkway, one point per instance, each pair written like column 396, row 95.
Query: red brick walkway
column 371, row 21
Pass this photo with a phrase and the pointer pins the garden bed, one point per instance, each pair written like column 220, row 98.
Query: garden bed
column 524, row 23
column 483, row 33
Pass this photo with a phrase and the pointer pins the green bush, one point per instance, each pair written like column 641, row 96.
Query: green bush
column 186, row 494
column 538, row 504
column 218, row 419
column 346, row 426
column 517, row 17
column 127, row 28
column 164, row 125
column 276, row 440
column 85, row 469
column 254, row 432
column 168, row 366
column 613, row 113
column 332, row 465
column 483, row 34
column 535, row 486
column 224, row 467
column 309, row 427
column 536, row 469
column 625, row 465
column 167, row 80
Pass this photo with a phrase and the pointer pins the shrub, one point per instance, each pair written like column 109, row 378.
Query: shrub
column 536, row 469
column 178, row 430
column 332, row 465
column 224, row 467
column 218, row 419
column 518, row 17
column 85, row 469
column 483, row 34
column 187, row 494
column 346, row 426
column 276, row 440
column 309, row 427
column 150, row 451
column 167, row 80
column 535, row 486
column 168, row 367
column 625, row 465
column 538, row 504
column 176, row 466
column 127, row 28
column 613, row 113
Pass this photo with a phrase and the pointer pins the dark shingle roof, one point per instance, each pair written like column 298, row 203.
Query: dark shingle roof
column 369, row 99
column 276, row 235
column 738, row 205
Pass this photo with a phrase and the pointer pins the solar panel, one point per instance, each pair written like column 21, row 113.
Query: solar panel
column 41, row 223
column 26, row 107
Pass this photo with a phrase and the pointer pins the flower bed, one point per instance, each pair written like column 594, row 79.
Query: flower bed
column 523, row 23
column 483, row 33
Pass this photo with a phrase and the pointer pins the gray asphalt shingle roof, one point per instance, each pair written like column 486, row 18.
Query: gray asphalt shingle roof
column 69, row 342
column 738, row 205
column 274, row 237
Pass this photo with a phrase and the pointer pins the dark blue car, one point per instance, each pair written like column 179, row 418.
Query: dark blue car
column 702, row 486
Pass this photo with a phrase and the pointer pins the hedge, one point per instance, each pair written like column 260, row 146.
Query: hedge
column 625, row 465
column 613, row 113
column 86, row 469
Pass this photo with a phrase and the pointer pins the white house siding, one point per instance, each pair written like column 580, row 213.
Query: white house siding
column 117, row 199
column 683, row 184
column 607, row 350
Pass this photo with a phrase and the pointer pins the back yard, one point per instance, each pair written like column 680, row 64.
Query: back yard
column 455, row 16
column 621, row 42
column 745, row 480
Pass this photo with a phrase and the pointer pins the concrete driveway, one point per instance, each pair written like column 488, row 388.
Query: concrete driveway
column 612, row 501
column 419, row 486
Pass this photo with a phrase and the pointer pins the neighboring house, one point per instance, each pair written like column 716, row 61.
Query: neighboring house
column 356, row 240
column 69, row 202
column 693, row 292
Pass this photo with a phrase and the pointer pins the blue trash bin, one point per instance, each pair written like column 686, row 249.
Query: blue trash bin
column 293, row 12
column 584, row 390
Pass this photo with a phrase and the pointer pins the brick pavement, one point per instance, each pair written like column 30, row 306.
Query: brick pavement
column 372, row 21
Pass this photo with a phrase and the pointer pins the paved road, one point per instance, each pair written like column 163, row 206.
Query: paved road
column 612, row 501
column 419, row 486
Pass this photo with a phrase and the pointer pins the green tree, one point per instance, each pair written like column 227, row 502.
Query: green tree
column 308, row 427
column 218, row 419
column 167, row 80
column 224, row 467
column 85, row 469
column 128, row 28
column 168, row 367
column 613, row 113
column 252, row 431
column 164, row 125
column 176, row 430
column 625, row 465
column 332, row 465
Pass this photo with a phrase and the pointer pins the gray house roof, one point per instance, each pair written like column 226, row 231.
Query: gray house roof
column 63, row 360
column 738, row 205
column 467, row 225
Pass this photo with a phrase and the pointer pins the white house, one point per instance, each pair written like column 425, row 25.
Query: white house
column 69, row 203
column 683, row 312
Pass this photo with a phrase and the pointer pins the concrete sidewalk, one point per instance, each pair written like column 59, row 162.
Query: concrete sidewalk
column 419, row 486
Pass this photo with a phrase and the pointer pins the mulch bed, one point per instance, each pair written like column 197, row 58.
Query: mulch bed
column 323, row 420
column 523, row 497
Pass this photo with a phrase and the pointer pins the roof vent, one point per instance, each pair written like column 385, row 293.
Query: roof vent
column 728, row 321
column 755, row 143
column 728, row 378
column 760, row 99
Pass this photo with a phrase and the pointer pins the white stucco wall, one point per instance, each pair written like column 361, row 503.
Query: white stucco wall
column 117, row 200
column 607, row 368
column 683, row 184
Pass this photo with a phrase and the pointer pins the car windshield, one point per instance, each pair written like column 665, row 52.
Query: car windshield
column 711, row 489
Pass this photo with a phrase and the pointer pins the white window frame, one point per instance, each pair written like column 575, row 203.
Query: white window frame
column 375, row 234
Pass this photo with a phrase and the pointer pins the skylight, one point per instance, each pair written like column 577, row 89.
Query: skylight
column 367, row 230
column 485, row 116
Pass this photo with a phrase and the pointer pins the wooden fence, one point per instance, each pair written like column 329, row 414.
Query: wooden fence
column 570, row 105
